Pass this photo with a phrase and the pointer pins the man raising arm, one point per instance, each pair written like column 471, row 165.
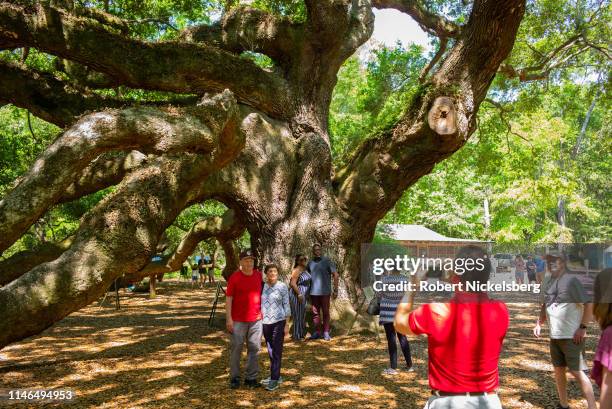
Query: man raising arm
column 469, row 378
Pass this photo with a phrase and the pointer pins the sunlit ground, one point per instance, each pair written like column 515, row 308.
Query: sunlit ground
column 161, row 354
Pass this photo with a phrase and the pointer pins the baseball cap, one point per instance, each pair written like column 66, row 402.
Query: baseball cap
column 246, row 253
column 554, row 255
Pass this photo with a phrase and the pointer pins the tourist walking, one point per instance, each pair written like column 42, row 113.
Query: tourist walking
column 540, row 269
column 567, row 309
column 299, row 291
column 519, row 269
column 531, row 268
column 195, row 275
column 202, row 272
column 209, row 269
column 389, row 300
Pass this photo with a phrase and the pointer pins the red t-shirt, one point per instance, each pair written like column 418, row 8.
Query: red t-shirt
column 246, row 290
column 465, row 338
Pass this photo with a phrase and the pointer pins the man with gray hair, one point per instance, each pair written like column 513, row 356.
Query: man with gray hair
column 243, row 319
column 568, row 311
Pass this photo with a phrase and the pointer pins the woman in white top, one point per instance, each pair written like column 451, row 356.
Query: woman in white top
column 275, row 311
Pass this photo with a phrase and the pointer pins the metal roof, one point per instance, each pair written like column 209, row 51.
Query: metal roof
column 416, row 232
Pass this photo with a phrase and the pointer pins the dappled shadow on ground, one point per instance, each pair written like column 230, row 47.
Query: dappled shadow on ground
column 161, row 354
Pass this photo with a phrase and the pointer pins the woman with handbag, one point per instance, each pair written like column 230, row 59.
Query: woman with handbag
column 389, row 301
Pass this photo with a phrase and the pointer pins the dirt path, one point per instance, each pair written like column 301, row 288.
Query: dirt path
column 161, row 354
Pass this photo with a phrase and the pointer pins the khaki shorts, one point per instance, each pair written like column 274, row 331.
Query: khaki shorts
column 565, row 353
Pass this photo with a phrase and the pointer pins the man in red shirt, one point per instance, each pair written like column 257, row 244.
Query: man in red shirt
column 243, row 319
column 465, row 338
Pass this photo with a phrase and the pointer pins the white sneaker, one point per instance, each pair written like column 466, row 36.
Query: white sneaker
column 390, row 371
column 267, row 380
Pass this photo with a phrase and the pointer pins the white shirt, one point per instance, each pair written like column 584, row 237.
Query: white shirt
column 564, row 319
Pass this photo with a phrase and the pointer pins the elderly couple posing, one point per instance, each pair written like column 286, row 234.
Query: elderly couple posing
column 254, row 307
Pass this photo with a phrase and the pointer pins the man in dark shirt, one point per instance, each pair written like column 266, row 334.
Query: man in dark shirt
column 531, row 269
column 321, row 269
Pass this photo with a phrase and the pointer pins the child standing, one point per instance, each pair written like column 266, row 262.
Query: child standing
column 275, row 311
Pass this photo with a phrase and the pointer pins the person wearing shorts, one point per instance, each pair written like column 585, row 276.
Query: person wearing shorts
column 209, row 269
column 519, row 269
column 540, row 269
column 195, row 275
column 568, row 311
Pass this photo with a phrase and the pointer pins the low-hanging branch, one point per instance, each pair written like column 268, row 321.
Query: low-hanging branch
column 121, row 233
column 150, row 130
column 23, row 261
column 106, row 170
column 179, row 67
column 112, row 239
column 223, row 228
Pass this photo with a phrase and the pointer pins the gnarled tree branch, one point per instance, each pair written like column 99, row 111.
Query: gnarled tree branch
column 120, row 233
column 47, row 97
column 223, row 228
column 439, row 120
column 106, row 170
column 22, row 262
column 163, row 66
column 430, row 22
column 339, row 26
column 150, row 130
column 249, row 29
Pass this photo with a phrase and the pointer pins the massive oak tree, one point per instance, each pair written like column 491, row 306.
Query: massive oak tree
column 255, row 139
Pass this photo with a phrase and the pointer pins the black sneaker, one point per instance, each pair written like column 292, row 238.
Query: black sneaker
column 235, row 383
column 252, row 383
